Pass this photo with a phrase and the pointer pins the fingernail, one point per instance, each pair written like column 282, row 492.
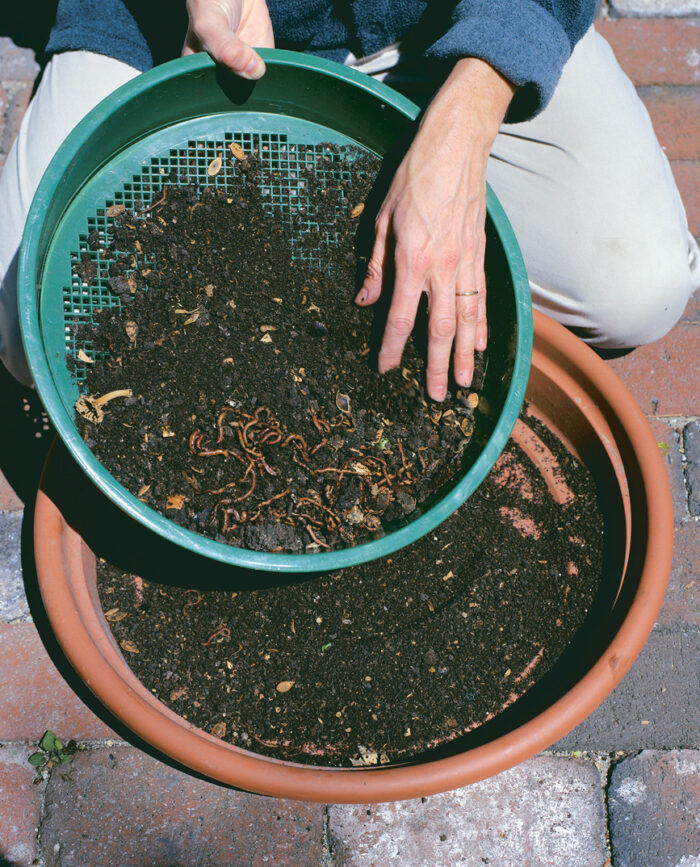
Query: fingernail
column 464, row 378
column 254, row 70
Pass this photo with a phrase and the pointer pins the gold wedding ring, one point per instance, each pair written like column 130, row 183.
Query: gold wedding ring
column 464, row 294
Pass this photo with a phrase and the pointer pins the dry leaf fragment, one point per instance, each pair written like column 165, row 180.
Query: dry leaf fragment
column 131, row 329
column 219, row 729
column 193, row 318
column 178, row 693
column 312, row 308
column 360, row 468
column 83, row 356
column 369, row 757
column 265, row 328
column 115, row 210
column 209, row 290
column 449, row 575
column 115, row 615
column 176, row 501
column 90, row 407
column 467, row 426
column 266, row 338
column 167, row 432
column 214, row 167
column 237, row 150
column 129, row 646
column 284, row 685
column 143, row 489
column 473, row 399
column 357, row 210
column 227, row 361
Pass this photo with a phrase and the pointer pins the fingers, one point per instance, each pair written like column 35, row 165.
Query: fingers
column 471, row 316
column 465, row 340
column 441, row 333
column 408, row 287
column 214, row 36
column 374, row 278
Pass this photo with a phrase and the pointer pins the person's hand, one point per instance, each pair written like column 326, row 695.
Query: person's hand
column 227, row 30
column 432, row 224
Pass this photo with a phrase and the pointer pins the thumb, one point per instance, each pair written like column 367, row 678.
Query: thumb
column 214, row 37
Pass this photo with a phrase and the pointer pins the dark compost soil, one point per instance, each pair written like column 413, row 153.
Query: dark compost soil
column 237, row 394
column 379, row 662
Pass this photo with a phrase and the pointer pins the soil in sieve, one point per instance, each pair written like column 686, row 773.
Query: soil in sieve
column 235, row 389
column 380, row 662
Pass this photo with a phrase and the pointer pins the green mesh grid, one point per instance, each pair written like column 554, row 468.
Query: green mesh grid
column 282, row 186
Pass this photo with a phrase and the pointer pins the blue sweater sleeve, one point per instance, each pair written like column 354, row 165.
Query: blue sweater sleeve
column 528, row 41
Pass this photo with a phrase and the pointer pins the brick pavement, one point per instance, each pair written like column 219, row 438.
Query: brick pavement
column 623, row 789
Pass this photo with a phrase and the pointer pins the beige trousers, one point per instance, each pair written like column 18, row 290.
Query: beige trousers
column 585, row 184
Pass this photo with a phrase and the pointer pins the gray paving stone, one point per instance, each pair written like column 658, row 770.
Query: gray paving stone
column 682, row 603
column 655, row 8
column 124, row 808
column 691, row 446
column 13, row 602
column 656, row 704
column 547, row 811
column 654, row 810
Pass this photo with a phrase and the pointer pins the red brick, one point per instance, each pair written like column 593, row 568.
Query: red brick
column 663, row 376
column 9, row 501
column 661, row 51
column 4, row 102
column 20, row 807
column 669, row 442
column 687, row 175
column 33, row 695
column 16, row 64
column 682, row 603
column 19, row 94
column 123, row 807
column 675, row 113
column 692, row 309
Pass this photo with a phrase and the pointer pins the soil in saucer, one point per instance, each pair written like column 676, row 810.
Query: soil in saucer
column 377, row 663
column 235, row 389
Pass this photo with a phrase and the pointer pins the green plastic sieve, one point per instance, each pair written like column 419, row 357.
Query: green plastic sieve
column 152, row 125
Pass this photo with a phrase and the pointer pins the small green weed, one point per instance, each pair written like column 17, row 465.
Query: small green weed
column 53, row 752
